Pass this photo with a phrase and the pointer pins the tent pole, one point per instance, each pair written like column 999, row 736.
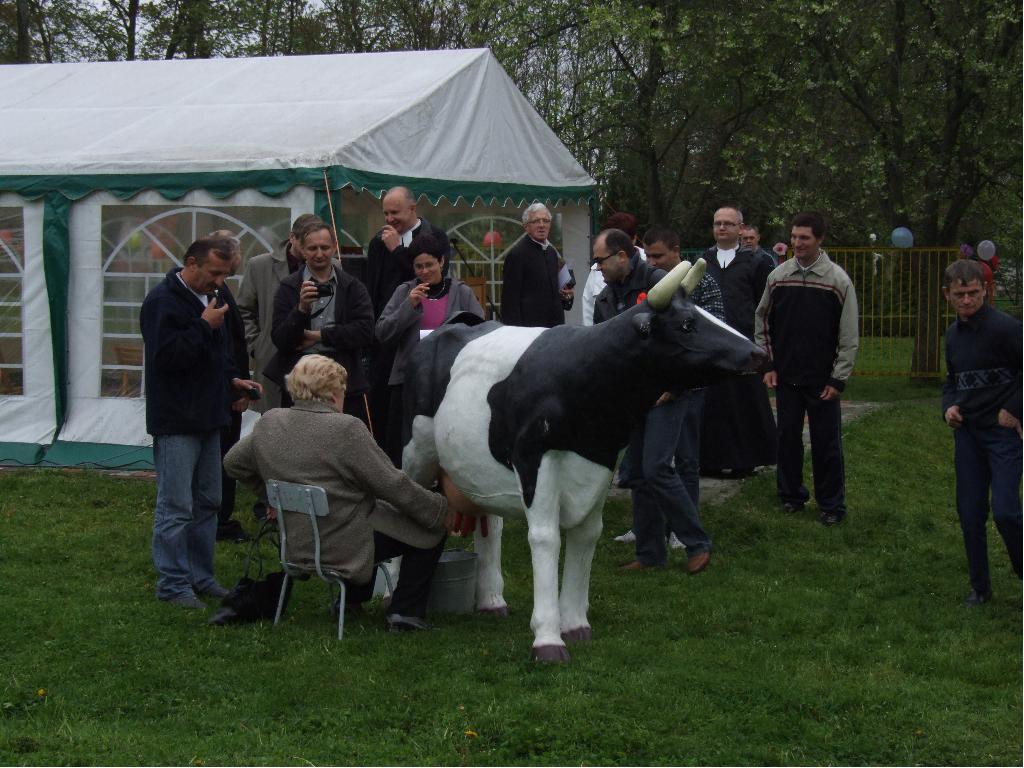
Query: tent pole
column 330, row 207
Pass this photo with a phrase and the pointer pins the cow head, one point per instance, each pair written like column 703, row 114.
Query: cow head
column 682, row 343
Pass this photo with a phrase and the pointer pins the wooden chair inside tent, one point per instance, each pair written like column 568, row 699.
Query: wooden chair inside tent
column 127, row 354
column 479, row 286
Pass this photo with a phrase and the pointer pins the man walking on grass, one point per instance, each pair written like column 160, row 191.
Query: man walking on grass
column 981, row 401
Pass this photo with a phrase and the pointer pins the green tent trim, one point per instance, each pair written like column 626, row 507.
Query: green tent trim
column 97, row 456
column 276, row 182
column 20, row 454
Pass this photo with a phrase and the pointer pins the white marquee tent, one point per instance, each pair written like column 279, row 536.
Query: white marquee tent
column 107, row 170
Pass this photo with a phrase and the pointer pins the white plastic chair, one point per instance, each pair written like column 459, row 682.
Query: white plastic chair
column 310, row 500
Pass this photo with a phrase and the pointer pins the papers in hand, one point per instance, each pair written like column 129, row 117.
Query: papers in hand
column 563, row 276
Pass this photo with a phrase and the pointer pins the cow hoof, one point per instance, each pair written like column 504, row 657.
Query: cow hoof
column 498, row 610
column 577, row 635
column 558, row 654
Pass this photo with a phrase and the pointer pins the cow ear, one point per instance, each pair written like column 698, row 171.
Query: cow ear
column 642, row 323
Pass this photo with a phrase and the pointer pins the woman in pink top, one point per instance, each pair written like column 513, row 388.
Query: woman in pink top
column 422, row 304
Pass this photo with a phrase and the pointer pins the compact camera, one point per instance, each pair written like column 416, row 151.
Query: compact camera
column 324, row 289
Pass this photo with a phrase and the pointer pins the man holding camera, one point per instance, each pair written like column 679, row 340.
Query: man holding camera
column 322, row 310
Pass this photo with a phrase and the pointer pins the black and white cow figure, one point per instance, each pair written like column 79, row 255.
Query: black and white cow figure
column 530, row 422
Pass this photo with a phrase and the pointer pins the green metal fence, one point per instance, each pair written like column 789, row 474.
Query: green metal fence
column 903, row 316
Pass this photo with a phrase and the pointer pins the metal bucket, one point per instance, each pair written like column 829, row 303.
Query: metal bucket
column 453, row 589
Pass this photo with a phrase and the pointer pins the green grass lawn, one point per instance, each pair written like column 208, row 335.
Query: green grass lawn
column 798, row 645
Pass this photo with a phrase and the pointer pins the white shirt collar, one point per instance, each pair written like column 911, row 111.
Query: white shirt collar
column 201, row 296
column 407, row 235
column 725, row 257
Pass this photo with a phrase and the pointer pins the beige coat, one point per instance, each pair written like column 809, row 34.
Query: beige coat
column 312, row 443
column 255, row 302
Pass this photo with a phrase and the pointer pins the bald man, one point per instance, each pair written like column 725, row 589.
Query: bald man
column 388, row 265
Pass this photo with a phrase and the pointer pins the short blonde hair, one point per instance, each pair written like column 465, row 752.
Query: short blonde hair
column 316, row 377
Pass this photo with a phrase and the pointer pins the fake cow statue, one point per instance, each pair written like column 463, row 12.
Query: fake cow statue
column 530, row 422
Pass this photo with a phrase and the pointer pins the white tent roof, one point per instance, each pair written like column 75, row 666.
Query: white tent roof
column 451, row 115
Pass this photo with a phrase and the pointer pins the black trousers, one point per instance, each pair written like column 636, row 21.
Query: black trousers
column 393, row 442
column 229, row 435
column 824, row 418
column 988, row 461
column 418, row 568
column 378, row 372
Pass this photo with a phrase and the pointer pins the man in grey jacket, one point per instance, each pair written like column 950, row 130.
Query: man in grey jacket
column 255, row 302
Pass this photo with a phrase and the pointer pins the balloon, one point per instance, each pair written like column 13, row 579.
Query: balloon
column 902, row 238
column 986, row 250
column 780, row 249
column 492, row 239
column 966, row 251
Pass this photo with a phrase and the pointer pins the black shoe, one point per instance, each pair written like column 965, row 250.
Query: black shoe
column 790, row 507
column 259, row 511
column 831, row 518
column 977, row 598
column 395, row 622
column 232, row 531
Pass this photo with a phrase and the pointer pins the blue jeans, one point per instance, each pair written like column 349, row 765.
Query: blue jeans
column 187, row 502
column 659, row 495
column 688, row 447
column 984, row 458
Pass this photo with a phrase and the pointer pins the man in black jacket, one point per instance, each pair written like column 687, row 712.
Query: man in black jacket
column 388, row 265
column 322, row 309
column 981, row 401
column 738, row 432
column 190, row 381
column 530, row 291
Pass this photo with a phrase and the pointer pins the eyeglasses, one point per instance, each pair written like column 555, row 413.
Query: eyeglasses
column 539, row 221
column 601, row 259
column 726, row 224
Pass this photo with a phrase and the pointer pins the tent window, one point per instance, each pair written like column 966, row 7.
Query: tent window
column 12, row 264
column 141, row 243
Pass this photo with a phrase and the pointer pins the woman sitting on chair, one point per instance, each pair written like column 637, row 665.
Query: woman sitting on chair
column 376, row 512
column 417, row 305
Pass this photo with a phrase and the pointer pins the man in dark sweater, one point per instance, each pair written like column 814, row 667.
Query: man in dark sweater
column 981, row 401
column 807, row 322
column 190, row 381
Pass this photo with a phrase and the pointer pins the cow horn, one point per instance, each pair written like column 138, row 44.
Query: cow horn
column 660, row 296
column 694, row 276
